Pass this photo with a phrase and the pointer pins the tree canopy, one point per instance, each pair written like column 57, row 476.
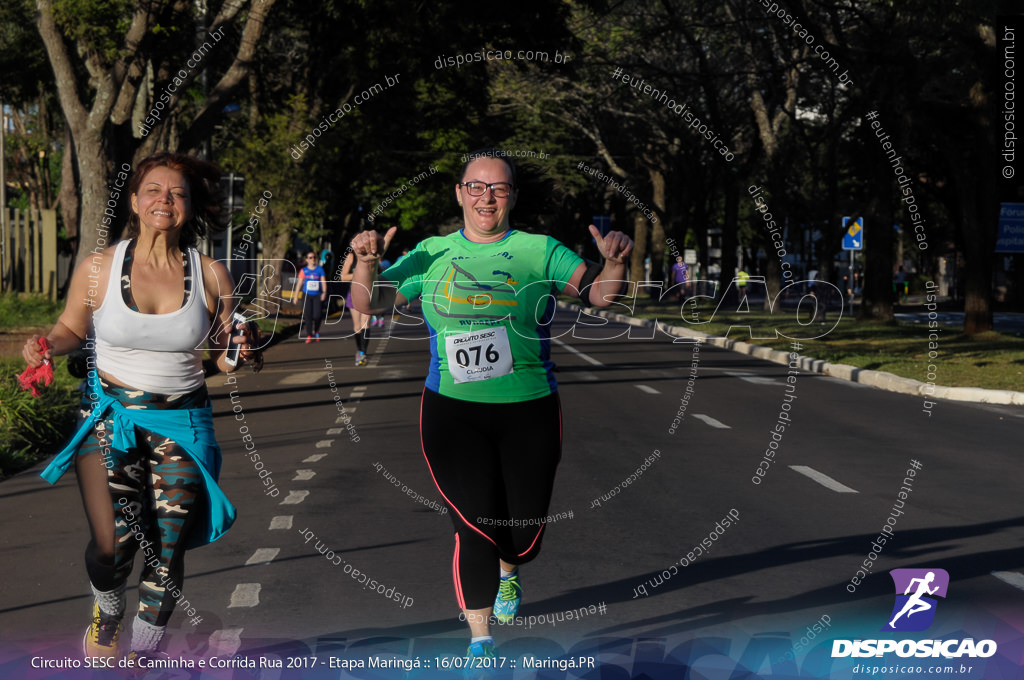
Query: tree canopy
column 349, row 109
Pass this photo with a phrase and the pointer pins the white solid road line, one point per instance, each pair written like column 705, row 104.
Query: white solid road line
column 1014, row 578
column 303, row 475
column 648, row 390
column 314, row 458
column 752, row 378
column 226, row 642
column 578, row 353
column 295, row 497
column 281, row 522
column 822, row 479
column 245, row 595
column 262, row 556
column 711, row 421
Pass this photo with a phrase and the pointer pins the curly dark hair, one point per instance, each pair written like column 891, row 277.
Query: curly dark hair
column 205, row 198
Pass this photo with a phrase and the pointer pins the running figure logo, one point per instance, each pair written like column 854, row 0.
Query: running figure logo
column 915, row 611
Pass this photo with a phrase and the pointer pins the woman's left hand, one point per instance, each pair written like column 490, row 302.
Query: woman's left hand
column 614, row 246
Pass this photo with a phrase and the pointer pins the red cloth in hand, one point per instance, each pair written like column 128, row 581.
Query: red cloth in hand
column 40, row 374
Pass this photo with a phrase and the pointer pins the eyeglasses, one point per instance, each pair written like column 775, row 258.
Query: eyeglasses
column 498, row 189
column 310, row 257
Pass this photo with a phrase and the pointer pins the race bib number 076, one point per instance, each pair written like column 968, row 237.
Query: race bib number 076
column 479, row 355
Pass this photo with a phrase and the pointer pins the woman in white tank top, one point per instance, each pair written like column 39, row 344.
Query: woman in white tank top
column 145, row 456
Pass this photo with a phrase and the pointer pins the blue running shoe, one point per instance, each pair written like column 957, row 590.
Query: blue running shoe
column 481, row 659
column 510, row 594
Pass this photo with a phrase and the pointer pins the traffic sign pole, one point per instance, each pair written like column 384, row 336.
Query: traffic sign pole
column 853, row 240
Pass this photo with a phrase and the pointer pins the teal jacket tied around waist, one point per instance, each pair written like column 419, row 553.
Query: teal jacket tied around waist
column 192, row 429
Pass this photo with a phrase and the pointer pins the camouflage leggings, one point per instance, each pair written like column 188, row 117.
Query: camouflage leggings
column 145, row 498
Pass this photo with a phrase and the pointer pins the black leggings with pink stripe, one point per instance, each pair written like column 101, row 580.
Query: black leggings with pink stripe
column 494, row 465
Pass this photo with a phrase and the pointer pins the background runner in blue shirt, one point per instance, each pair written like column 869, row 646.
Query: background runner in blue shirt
column 313, row 282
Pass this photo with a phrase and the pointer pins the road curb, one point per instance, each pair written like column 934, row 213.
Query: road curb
column 878, row 379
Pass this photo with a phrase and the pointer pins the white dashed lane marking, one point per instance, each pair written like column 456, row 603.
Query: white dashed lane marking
column 304, row 378
column 226, row 642
column 379, row 353
column 648, row 390
column 295, row 497
column 262, row 556
column 822, row 478
column 281, row 522
column 1014, row 578
column 711, row 421
column 752, row 378
column 570, row 348
column 245, row 595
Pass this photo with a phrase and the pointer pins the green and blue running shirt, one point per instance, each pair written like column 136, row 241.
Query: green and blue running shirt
column 488, row 307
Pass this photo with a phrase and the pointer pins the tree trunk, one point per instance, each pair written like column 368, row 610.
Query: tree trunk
column 730, row 238
column 658, row 235
column 876, row 286
column 978, row 204
column 640, row 249
column 773, row 268
column 93, row 168
column 979, row 215
column 275, row 248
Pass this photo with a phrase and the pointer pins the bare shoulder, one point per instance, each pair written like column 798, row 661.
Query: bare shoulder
column 90, row 280
column 97, row 261
column 217, row 282
column 212, row 265
column 93, row 271
column 216, row 277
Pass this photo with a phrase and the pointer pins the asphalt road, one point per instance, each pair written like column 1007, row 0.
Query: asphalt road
column 795, row 541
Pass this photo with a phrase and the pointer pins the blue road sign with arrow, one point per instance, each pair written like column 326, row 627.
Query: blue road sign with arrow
column 853, row 239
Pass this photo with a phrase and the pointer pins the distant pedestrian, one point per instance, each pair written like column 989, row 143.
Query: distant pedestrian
column 680, row 278
column 313, row 282
column 900, row 286
column 741, row 284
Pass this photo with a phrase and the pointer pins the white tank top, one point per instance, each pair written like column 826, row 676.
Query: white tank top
column 158, row 353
